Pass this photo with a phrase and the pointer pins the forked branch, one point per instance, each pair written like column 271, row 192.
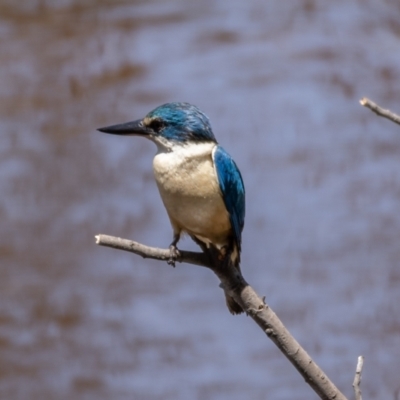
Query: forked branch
column 252, row 304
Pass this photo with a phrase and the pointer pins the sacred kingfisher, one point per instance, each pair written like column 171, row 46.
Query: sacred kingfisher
column 199, row 183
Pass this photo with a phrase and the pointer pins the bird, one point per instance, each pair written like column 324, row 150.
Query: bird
column 199, row 183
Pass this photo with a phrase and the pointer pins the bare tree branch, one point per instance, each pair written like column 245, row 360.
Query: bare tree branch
column 357, row 378
column 255, row 306
column 380, row 111
column 154, row 253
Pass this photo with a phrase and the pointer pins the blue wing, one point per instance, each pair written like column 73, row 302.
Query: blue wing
column 232, row 189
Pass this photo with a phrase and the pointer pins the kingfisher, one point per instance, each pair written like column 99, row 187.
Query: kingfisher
column 199, row 183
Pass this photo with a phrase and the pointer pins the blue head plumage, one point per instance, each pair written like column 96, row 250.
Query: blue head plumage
column 180, row 122
column 170, row 122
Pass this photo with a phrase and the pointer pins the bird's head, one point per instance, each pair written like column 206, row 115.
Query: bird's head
column 169, row 124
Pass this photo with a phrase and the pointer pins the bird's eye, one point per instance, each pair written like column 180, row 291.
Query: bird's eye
column 156, row 125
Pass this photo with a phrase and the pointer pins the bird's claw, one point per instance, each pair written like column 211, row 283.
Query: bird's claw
column 173, row 255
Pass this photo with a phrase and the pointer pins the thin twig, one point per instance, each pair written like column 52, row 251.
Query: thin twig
column 254, row 306
column 154, row 253
column 357, row 378
column 380, row 111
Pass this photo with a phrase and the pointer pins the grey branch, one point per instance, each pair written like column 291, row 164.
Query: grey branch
column 357, row 378
column 380, row 111
column 189, row 257
column 251, row 303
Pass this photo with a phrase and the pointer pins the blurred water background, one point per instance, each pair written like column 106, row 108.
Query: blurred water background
column 280, row 82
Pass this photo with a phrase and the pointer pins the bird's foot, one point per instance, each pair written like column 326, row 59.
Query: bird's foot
column 173, row 255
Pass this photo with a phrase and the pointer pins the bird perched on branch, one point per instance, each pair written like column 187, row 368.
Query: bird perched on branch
column 199, row 183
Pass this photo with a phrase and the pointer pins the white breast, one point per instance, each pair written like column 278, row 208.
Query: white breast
column 189, row 188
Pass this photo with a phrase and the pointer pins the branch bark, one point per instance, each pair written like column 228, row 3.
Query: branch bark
column 357, row 378
column 380, row 111
column 251, row 303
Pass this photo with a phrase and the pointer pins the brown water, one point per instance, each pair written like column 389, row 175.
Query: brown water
column 281, row 83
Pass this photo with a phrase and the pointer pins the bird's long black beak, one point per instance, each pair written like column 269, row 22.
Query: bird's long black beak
column 128, row 128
